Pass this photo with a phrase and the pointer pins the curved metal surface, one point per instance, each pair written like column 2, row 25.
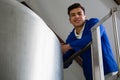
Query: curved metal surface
column 29, row 50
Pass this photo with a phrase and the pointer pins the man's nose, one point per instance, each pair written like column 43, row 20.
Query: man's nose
column 76, row 15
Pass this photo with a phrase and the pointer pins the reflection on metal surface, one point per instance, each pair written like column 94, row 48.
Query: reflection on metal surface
column 29, row 50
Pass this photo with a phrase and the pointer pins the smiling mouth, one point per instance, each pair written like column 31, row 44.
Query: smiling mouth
column 77, row 21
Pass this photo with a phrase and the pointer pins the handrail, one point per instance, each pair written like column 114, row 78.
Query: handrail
column 77, row 53
column 101, row 21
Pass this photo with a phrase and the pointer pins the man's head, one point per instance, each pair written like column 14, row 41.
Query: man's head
column 75, row 5
column 76, row 15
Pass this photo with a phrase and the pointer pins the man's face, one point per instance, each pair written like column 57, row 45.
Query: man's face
column 77, row 17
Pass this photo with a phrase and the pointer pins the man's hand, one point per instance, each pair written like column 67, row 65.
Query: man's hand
column 65, row 48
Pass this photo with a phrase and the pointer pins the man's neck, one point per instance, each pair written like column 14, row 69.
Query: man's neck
column 78, row 29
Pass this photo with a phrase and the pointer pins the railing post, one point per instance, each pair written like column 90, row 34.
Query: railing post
column 97, row 63
column 116, row 36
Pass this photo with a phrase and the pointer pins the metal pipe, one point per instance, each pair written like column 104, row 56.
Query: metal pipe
column 116, row 37
column 97, row 61
column 97, row 64
column 102, row 21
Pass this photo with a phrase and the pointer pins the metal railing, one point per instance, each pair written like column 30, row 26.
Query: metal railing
column 97, row 65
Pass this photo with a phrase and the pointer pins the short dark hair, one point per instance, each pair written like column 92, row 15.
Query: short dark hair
column 75, row 5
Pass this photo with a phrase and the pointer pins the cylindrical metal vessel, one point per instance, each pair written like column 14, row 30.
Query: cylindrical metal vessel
column 29, row 50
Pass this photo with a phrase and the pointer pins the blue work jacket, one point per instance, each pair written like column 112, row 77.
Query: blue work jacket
column 109, row 62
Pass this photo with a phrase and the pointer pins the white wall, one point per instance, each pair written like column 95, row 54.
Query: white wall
column 54, row 13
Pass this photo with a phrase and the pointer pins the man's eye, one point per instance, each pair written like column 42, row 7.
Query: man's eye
column 79, row 13
column 72, row 15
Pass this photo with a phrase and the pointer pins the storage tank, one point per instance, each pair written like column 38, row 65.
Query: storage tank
column 29, row 50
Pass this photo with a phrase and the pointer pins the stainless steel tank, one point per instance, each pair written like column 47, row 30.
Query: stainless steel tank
column 29, row 50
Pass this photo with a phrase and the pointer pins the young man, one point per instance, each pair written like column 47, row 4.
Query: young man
column 81, row 36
